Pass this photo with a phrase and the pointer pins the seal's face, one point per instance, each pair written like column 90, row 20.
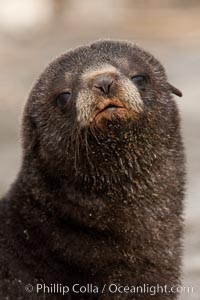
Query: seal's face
column 107, row 95
column 106, row 88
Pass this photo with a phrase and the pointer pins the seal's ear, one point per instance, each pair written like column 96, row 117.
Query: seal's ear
column 30, row 138
column 174, row 90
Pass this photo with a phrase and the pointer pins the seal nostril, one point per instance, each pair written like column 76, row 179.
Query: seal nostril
column 103, row 82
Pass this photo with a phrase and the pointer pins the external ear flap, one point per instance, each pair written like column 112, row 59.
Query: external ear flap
column 32, row 135
column 30, row 138
column 174, row 90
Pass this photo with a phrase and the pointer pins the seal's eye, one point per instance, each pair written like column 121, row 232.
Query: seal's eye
column 140, row 81
column 62, row 99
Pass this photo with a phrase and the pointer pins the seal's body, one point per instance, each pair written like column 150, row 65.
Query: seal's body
column 99, row 196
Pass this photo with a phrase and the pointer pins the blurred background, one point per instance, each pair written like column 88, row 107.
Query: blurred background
column 33, row 32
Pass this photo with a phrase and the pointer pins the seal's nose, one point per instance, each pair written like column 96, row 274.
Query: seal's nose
column 103, row 82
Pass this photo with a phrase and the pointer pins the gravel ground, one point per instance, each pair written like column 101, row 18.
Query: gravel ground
column 22, row 57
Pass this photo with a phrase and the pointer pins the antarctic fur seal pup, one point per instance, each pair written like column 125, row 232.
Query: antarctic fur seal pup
column 99, row 197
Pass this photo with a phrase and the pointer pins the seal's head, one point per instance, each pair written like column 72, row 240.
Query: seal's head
column 91, row 98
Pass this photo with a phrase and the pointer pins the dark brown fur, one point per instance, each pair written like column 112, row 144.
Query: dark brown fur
column 97, row 203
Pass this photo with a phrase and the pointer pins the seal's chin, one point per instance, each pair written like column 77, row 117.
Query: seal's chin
column 112, row 112
column 109, row 109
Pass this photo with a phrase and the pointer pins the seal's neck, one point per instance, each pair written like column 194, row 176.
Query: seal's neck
column 52, row 212
column 99, row 202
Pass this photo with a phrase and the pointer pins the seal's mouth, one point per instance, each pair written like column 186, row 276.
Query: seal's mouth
column 109, row 108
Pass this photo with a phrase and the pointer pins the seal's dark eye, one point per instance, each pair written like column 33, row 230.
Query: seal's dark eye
column 62, row 99
column 140, row 81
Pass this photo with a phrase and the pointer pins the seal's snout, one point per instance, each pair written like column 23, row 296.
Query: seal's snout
column 107, row 95
column 104, row 82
